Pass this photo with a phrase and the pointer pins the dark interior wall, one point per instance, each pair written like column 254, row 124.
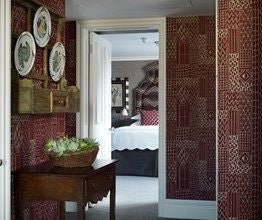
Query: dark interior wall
column 191, row 152
column 30, row 132
column 240, row 106
column 135, row 71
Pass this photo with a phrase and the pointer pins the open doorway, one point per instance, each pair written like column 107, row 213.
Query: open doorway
column 84, row 28
column 134, row 128
column 134, row 101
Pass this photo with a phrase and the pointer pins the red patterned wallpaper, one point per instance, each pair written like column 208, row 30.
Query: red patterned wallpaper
column 191, row 108
column 57, row 5
column 240, row 107
column 70, row 71
column 29, row 132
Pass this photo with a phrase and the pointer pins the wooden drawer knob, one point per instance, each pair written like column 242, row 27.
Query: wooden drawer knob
column 93, row 185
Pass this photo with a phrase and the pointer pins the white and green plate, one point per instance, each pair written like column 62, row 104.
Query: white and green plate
column 42, row 26
column 57, row 61
column 24, row 53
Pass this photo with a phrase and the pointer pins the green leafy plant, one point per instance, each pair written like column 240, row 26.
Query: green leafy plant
column 65, row 145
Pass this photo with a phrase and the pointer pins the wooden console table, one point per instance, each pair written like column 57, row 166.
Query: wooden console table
column 82, row 185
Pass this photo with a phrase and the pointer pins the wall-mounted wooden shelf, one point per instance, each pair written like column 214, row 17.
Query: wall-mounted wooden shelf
column 29, row 98
column 35, row 101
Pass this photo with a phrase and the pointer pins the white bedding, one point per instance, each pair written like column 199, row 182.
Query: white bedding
column 135, row 137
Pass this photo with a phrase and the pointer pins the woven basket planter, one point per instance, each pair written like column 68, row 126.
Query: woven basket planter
column 78, row 159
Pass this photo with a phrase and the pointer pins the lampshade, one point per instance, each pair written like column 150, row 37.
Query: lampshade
column 124, row 112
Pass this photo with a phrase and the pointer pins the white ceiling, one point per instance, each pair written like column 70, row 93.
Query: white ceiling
column 130, row 46
column 101, row 9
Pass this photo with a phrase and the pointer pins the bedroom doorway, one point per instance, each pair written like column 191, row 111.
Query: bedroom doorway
column 135, row 133
column 84, row 27
column 134, row 100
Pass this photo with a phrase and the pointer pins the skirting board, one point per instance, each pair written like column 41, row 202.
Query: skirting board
column 188, row 209
column 70, row 207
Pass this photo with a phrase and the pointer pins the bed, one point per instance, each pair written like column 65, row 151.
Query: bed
column 136, row 146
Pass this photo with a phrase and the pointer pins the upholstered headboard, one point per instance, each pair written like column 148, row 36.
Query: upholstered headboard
column 147, row 92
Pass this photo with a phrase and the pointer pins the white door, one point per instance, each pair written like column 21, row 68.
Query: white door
column 100, row 94
column 5, row 72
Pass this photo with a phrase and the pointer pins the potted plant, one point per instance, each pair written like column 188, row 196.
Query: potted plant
column 71, row 152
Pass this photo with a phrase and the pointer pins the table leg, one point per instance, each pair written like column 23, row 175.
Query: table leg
column 62, row 210
column 80, row 210
column 112, row 203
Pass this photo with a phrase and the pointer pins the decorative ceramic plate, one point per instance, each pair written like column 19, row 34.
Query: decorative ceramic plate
column 24, row 53
column 57, row 61
column 42, row 26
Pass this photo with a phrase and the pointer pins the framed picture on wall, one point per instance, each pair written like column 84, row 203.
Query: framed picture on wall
column 119, row 94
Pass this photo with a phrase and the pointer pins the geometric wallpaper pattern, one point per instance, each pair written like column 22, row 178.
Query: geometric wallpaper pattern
column 190, row 103
column 240, row 107
column 70, row 72
column 57, row 5
column 190, row 111
column 30, row 132
column 147, row 91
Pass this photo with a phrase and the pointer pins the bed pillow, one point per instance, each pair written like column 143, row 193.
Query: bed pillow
column 137, row 117
column 118, row 117
column 126, row 122
column 119, row 120
column 137, row 123
column 149, row 117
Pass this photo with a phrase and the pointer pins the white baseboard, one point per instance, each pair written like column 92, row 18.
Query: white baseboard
column 188, row 209
column 70, row 207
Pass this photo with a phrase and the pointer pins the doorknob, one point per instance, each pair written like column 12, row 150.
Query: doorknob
column 1, row 162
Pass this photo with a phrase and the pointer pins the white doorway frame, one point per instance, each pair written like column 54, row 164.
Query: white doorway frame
column 169, row 208
column 5, row 110
column 83, row 29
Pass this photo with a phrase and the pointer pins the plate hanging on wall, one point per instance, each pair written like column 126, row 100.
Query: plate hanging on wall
column 57, row 61
column 42, row 26
column 24, row 53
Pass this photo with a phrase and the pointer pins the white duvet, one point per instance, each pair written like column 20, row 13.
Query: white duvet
column 135, row 137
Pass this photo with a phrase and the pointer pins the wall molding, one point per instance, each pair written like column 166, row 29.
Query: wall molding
column 189, row 209
column 5, row 110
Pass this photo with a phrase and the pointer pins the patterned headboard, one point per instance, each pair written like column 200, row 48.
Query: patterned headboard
column 147, row 92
